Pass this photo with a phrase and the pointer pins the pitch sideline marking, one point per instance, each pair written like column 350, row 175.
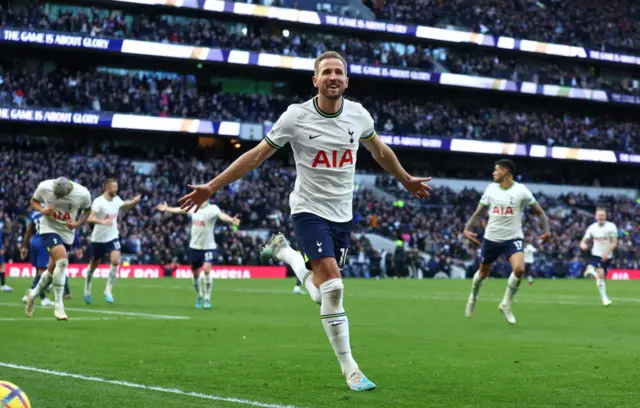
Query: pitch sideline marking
column 144, row 387
column 51, row 319
column 114, row 312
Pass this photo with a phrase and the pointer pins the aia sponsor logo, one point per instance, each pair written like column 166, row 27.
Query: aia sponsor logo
column 332, row 159
column 502, row 211
column 61, row 216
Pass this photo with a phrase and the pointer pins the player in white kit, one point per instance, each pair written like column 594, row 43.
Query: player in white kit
column 604, row 235
column 202, row 247
column 505, row 199
column 529, row 251
column 325, row 133
column 59, row 201
column 105, row 237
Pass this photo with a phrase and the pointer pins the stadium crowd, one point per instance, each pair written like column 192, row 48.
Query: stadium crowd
column 601, row 25
column 212, row 33
column 261, row 200
column 161, row 94
column 610, row 25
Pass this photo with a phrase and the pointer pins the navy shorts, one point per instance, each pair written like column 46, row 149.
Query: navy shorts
column 491, row 251
column 597, row 262
column 198, row 257
column 102, row 250
column 321, row 238
column 52, row 240
column 39, row 254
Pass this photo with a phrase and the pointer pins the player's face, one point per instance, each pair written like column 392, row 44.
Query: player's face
column 601, row 216
column 331, row 78
column 112, row 189
column 499, row 173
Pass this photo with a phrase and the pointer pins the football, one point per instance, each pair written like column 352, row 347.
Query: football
column 12, row 396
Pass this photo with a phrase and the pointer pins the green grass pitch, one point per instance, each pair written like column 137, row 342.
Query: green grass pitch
column 264, row 346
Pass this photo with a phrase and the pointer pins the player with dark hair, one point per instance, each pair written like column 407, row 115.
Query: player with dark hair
column 505, row 199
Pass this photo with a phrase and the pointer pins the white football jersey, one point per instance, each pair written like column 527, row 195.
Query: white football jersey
column 324, row 147
column 66, row 209
column 202, row 224
column 602, row 237
column 529, row 250
column 505, row 210
column 106, row 209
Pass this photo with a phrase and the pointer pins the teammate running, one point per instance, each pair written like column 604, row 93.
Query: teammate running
column 105, row 237
column 506, row 199
column 202, row 247
column 604, row 235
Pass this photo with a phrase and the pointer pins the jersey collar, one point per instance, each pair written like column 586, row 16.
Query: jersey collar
column 325, row 114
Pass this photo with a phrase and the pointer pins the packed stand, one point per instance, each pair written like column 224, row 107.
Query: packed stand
column 611, row 25
column 261, row 200
column 601, row 25
column 212, row 33
column 162, row 94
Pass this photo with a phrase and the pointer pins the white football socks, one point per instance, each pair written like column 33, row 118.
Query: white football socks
column 59, row 276
column 296, row 262
column 602, row 288
column 43, row 284
column 336, row 324
column 512, row 288
column 87, row 281
column 111, row 279
column 197, row 285
column 476, row 284
column 208, row 285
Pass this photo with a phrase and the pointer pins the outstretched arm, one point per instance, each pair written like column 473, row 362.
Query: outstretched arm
column 544, row 221
column 129, row 204
column 243, row 165
column 468, row 233
column 171, row 210
column 229, row 220
column 388, row 160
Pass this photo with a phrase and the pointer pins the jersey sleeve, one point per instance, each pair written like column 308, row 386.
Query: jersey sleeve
column 39, row 194
column 214, row 213
column 613, row 233
column 282, row 132
column 86, row 201
column 588, row 234
column 95, row 207
column 528, row 197
column 368, row 126
column 485, row 200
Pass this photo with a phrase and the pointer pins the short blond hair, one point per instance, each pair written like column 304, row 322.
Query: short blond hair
column 328, row 55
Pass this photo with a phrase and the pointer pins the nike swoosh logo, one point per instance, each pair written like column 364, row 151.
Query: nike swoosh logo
column 313, row 137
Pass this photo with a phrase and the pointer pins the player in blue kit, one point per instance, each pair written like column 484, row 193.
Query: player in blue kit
column 3, row 277
column 39, row 255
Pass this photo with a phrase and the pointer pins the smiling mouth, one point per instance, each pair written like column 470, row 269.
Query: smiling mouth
column 333, row 87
